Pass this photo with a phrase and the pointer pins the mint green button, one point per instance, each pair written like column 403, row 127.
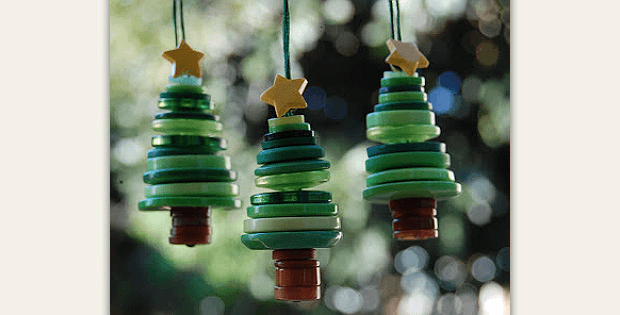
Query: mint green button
column 291, row 224
column 188, row 161
column 184, row 88
column 165, row 203
column 416, row 189
column 402, row 96
column 189, row 175
column 407, row 160
column 209, row 189
column 291, row 240
column 398, row 74
column 400, row 117
column 296, row 119
column 200, row 127
column 410, row 174
column 287, row 127
column 292, row 210
column 403, row 133
column 184, row 104
column 293, row 181
column 298, row 152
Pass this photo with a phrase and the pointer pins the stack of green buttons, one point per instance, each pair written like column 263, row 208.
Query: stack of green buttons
column 405, row 165
column 184, row 168
column 291, row 218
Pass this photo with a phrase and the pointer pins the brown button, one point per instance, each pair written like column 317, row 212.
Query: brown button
column 190, row 226
column 414, row 218
column 298, row 275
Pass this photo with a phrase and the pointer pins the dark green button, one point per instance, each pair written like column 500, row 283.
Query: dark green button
column 400, row 88
column 406, row 147
column 288, row 134
column 184, row 104
column 187, row 115
column 179, row 151
column 381, row 107
column 288, row 142
column 214, row 143
column 398, row 81
column 189, row 175
column 290, row 154
column 291, row 240
column 291, row 167
column 303, row 196
column 292, row 210
column 406, row 160
column 165, row 203
column 194, row 96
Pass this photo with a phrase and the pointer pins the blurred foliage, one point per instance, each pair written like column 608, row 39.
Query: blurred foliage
column 339, row 46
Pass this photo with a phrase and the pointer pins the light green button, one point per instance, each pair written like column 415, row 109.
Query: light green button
column 291, row 240
column 166, row 203
column 410, row 159
column 287, row 127
column 215, row 189
column 188, row 161
column 416, row 189
column 184, row 88
column 410, row 174
column 297, row 119
column 293, row 181
column 398, row 74
column 291, row 224
column 200, row 127
column 401, row 134
column 400, row 117
column 402, row 96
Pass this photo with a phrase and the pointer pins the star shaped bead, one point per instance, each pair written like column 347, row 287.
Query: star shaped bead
column 186, row 61
column 406, row 56
column 285, row 94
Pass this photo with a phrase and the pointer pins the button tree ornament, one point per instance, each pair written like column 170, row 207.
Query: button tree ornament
column 186, row 173
column 291, row 221
column 406, row 170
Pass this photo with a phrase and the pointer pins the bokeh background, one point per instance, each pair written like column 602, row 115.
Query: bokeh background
column 339, row 46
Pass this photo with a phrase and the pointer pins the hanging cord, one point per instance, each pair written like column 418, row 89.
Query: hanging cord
column 398, row 21
column 286, row 29
column 394, row 29
column 174, row 20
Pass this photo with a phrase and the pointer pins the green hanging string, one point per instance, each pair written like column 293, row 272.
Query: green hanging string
column 398, row 21
column 394, row 29
column 286, row 30
column 174, row 20
column 390, row 4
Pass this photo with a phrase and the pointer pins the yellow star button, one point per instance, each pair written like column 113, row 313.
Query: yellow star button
column 406, row 56
column 285, row 94
column 185, row 60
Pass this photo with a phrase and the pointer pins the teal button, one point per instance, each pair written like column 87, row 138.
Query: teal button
column 187, row 175
column 290, row 153
column 416, row 189
column 291, row 167
column 407, row 160
column 291, row 240
column 292, row 210
column 166, row 203
column 285, row 197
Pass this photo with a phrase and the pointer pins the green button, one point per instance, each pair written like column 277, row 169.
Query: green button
column 400, row 117
column 288, row 127
column 290, row 153
column 402, row 81
column 400, row 88
column 416, row 189
column 402, row 97
column 301, row 196
column 406, row 147
column 189, row 175
column 291, row 167
column 216, row 144
column 164, row 151
column 293, row 181
column 199, row 127
column 404, row 133
column 189, row 161
column 297, row 119
column 288, row 134
column 194, row 96
column 410, row 174
column 212, row 189
column 187, row 115
column 407, row 160
column 291, row 240
column 398, row 74
column 291, row 224
column 184, row 88
column 165, row 203
column 288, row 142
column 292, row 210
column 184, row 104
column 381, row 107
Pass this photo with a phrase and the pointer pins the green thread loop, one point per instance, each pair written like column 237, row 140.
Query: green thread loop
column 286, row 29
column 174, row 21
